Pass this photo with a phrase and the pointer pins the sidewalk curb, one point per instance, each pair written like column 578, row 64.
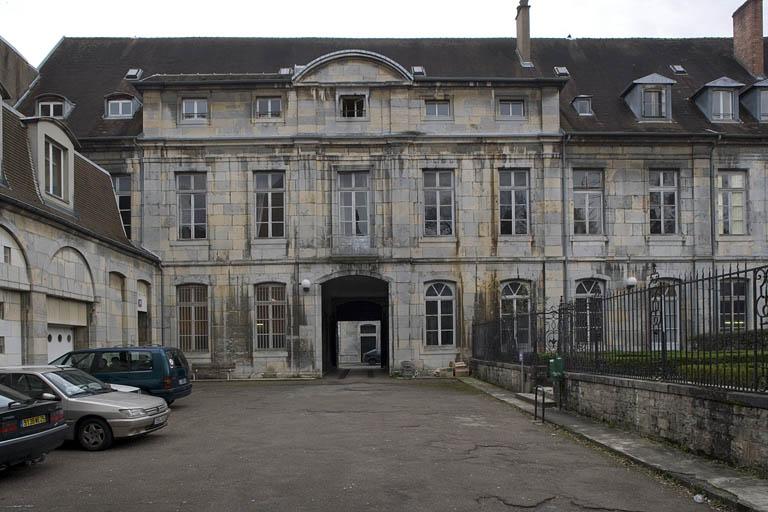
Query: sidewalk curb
column 688, row 480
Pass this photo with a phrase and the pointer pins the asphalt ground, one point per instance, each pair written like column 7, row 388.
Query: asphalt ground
column 363, row 442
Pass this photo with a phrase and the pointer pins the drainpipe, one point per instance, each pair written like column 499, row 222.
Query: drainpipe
column 713, row 201
column 565, row 227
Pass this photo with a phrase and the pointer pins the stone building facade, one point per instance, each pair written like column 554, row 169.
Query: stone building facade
column 409, row 189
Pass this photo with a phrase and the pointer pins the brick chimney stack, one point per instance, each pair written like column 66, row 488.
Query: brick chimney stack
column 524, row 33
column 748, row 37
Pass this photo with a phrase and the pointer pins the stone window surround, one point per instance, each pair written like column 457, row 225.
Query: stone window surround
column 730, row 236
column 425, row 97
column 192, row 95
column 286, row 304
column 528, row 191
column 195, row 356
column 342, row 92
column 662, row 189
column 174, row 238
column 454, row 220
column 255, row 119
column 588, row 236
column 453, row 347
column 507, row 97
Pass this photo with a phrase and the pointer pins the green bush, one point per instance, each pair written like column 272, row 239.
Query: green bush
column 729, row 375
column 727, row 340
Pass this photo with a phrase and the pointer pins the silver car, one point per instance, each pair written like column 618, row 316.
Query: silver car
column 95, row 413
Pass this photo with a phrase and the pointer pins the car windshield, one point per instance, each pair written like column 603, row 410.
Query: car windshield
column 75, row 382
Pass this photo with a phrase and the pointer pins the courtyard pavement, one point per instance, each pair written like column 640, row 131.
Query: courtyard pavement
column 363, row 442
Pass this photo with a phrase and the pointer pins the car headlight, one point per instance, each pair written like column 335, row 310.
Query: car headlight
column 133, row 413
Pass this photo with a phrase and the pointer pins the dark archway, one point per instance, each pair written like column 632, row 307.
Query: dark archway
column 353, row 299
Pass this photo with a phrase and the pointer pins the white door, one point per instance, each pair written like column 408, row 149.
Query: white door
column 60, row 340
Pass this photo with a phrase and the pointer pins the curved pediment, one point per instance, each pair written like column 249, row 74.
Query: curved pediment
column 352, row 66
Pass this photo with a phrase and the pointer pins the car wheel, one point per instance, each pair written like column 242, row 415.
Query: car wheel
column 94, row 434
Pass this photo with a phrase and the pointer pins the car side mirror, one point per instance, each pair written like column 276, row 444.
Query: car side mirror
column 49, row 396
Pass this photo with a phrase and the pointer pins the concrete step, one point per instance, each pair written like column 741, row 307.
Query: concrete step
column 530, row 397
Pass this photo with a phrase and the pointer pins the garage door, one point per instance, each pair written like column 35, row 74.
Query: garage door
column 60, row 340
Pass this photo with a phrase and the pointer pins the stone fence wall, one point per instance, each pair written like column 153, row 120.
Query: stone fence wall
column 728, row 426
column 504, row 375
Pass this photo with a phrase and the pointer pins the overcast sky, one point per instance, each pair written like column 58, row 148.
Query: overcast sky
column 35, row 27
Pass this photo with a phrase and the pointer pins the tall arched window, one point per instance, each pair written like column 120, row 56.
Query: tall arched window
column 588, row 320
column 515, row 309
column 440, row 314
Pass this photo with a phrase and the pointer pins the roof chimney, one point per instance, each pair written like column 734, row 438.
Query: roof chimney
column 524, row 33
column 748, row 37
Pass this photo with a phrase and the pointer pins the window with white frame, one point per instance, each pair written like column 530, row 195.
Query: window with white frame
column 352, row 106
column 663, row 201
column 353, row 203
column 764, row 104
column 733, row 304
column 122, row 186
column 722, row 105
column 55, row 174
column 50, row 109
column 511, row 108
column 513, row 201
column 270, row 316
column 120, row 108
column 588, row 312
column 192, row 304
column 440, row 315
column 515, row 310
column 438, row 203
column 191, row 196
column 270, row 204
column 194, row 109
column 269, row 107
column 437, row 108
column 654, row 105
column 731, row 202
column 587, row 202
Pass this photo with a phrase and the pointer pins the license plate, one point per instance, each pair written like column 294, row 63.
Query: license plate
column 182, row 381
column 160, row 420
column 34, row 420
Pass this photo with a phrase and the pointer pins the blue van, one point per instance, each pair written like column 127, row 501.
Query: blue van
column 158, row 371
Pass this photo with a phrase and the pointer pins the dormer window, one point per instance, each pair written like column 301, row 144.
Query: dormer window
column 54, row 169
column 583, row 105
column 653, row 103
column 120, row 108
column 722, row 105
column 51, row 109
column 650, row 98
column 719, row 100
column 763, row 105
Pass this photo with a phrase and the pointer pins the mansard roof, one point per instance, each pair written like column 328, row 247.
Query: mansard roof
column 85, row 69
column 95, row 210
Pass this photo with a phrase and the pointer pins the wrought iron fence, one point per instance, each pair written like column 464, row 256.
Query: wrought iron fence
column 710, row 329
column 533, row 335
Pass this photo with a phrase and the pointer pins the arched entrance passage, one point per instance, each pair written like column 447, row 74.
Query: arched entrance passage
column 355, row 323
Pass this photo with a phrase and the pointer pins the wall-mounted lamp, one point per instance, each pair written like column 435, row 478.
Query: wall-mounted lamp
column 306, row 284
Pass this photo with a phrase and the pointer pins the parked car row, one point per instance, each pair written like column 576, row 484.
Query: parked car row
column 90, row 396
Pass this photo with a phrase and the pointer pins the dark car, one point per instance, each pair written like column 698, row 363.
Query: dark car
column 29, row 428
column 372, row 357
column 156, row 370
